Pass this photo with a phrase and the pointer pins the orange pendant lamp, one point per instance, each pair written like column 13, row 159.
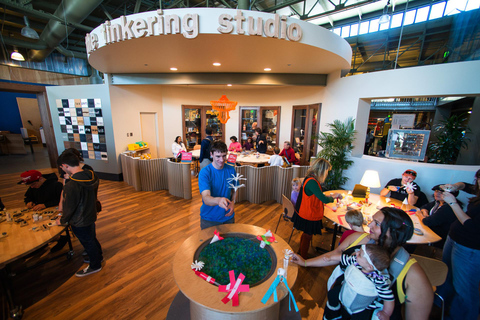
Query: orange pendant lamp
column 223, row 106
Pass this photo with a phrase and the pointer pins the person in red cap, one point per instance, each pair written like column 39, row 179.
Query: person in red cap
column 403, row 188
column 44, row 190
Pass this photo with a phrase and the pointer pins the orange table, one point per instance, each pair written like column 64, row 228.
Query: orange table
column 377, row 201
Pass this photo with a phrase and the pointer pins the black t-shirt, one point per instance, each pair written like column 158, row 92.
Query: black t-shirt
column 440, row 220
column 468, row 234
column 401, row 193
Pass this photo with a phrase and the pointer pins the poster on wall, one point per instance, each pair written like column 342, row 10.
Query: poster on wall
column 82, row 127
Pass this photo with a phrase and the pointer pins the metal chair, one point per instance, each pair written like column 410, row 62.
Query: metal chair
column 287, row 214
column 436, row 272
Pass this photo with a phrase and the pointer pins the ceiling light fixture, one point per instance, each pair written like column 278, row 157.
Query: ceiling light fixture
column 229, row 85
column 173, row 69
column 385, row 18
column 17, row 56
column 27, row 31
column 267, row 69
column 217, row 64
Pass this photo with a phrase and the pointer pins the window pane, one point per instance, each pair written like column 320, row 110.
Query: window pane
column 354, row 30
column 213, row 121
column 337, row 31
column 455, row 6
column 472, row 5
column 396, row 20
column 193, row 134
column 384, row 26
column 249, row 124
column 422, row 14
column 373, row 26
column 437, row 11
column 409, row 17
column 345, row 31
column 269, row 123
column 364, row 27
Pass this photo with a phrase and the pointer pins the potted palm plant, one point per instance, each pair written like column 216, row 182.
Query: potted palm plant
column 450, row 137
column 336, row 148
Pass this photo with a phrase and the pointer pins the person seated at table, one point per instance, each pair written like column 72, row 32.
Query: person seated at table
column 391, row 228
column 235, row 146
column 261, row 141
column 354, row 218
column 248, row 145
column 403, row 188
column 461, row 253
column 437, row 215
column 309, row 208
column 296, row 184
column 218, row 199
column 178, row 147
column 276, row 160
column 44, row 190
column 289, row 153
column 372, row 261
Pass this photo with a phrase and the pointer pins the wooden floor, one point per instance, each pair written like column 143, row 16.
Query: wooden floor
column 140, row 233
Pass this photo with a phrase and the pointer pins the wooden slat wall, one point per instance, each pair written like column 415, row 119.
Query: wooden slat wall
column 153, row 174
column 267, row 183
column 179, row 179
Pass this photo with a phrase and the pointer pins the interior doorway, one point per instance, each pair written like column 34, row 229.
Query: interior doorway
column 149, row 125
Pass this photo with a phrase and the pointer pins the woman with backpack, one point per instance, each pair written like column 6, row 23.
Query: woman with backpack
column 391, row 228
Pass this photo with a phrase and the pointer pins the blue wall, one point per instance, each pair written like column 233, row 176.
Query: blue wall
column 10, row 119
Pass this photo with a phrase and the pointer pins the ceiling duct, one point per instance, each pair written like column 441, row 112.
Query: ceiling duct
column 55, row 32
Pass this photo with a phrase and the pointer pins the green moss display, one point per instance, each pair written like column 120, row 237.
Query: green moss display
column 239, row 254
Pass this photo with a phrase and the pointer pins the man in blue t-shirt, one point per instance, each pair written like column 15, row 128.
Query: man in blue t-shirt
column 217, row 197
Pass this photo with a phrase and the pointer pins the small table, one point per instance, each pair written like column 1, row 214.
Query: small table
column 252, row 159
column 20, row 241
column 205, row 300
column 338, row 217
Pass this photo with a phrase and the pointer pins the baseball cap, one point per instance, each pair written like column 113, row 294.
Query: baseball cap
column 411, row 172
column 437, row 187
column 30, row 176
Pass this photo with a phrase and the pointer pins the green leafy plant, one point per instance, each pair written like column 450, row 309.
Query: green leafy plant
column 449, row 139
column 336, row 148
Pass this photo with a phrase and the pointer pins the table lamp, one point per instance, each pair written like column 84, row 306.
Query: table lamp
column 370, row 179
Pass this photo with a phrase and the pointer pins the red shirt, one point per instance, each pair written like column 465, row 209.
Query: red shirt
column 311, row 207
column 290, row 155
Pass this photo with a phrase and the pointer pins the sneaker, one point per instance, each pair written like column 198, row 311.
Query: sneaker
column 87, row 271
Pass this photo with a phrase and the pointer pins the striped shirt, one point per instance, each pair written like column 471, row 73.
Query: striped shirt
column 381, row 280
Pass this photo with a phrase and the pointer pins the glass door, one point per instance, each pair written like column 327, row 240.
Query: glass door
column 265, row 118
column 195, row 122
column 305, row 129
column 192, row 126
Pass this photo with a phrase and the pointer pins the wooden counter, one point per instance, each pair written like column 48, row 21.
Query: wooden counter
column 205, row 300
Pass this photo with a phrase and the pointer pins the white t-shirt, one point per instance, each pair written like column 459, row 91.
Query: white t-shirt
column 275, row 160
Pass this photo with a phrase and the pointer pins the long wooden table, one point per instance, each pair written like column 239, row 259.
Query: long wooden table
column 252, row 159
column 17, row 241
column 376, row 201
column 205, row 300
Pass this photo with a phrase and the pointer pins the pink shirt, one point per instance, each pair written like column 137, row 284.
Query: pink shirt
column 235, row 146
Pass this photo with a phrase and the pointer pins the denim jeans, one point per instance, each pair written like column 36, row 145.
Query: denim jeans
column 204, row 224
column 88, row 239
column 460, row 289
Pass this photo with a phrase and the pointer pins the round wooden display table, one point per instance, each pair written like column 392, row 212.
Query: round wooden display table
column 205, row 299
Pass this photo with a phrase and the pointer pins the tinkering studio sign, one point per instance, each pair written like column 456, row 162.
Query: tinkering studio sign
column 160, row 23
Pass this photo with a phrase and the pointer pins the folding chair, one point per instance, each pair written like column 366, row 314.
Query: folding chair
column 436, row 272
column 287, row 214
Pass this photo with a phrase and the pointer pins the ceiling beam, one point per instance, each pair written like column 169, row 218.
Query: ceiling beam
column 43, row 15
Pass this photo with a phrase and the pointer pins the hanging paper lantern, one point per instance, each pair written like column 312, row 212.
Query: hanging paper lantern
column 223, row 106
